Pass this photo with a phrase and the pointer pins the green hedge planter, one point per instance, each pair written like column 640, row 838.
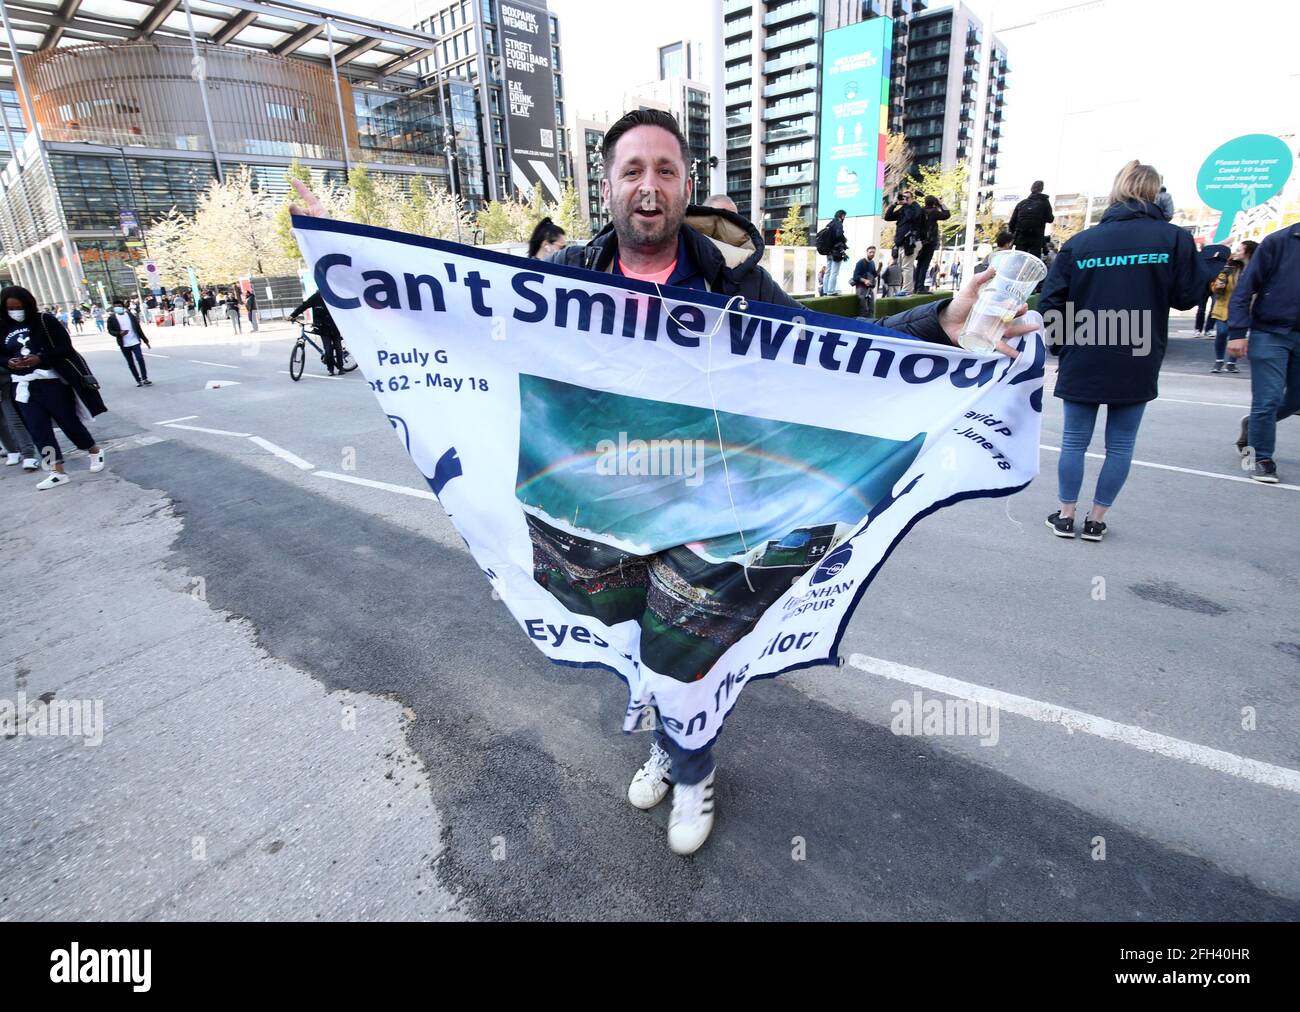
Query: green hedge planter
column 847, row 305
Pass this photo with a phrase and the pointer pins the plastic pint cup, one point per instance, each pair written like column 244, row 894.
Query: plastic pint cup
column 1018, row 274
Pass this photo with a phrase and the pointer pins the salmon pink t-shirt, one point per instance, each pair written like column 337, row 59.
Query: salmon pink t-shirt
column 658, row 277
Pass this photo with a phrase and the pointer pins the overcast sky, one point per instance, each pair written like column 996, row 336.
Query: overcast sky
column 1090, row 87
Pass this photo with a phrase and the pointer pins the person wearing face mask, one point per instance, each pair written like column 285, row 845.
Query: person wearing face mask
column 125, row 326
column 52, row 385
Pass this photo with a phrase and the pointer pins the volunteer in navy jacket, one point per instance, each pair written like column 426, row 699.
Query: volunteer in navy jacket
column 1273, row 281
column 1106, row 309
column 52, row 384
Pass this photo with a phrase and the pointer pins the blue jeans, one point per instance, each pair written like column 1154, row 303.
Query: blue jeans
column 831, row 282
column 1122, row 421
column 1274, row 386
column 688, row 767
column 1220, row 340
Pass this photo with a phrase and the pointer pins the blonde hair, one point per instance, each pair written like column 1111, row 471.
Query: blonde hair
column 1135, row 181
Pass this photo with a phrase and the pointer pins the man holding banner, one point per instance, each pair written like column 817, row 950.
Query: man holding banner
column 734, row 542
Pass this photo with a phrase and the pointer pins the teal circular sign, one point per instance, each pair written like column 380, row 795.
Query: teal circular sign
column 1244, row 172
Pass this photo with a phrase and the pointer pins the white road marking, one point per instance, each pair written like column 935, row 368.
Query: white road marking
column 311, row 375
column 214, row 432
column 282, row 453
column 183, row 418
column 369, row 483
column 147, row 354
column 1077, row 720
column 1183, row 470
column 1208, row 404
column 219, row 365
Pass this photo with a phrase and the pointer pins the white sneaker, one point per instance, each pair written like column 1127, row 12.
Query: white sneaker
column 53, row 480
column 692, row 819
column 31, row 464
column 97, row 461
column 13, row 459
column 651, row 783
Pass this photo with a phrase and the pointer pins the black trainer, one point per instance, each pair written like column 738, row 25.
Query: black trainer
column 1232, row 367
column 1265, row 471
column 1243, row 436
column 1093, row 530
column 1062, row 527
column 1217, row 367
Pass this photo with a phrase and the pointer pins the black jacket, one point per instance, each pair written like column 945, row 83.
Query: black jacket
column 1272, row 278
column 320, row 315
column 1135, row 263
column 50, row 340
column 1030, row 218
column 119, row 332
column 933, row 215
column 912, row 223
column 727, row 252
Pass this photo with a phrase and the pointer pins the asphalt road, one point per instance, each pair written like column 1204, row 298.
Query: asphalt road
column 234, row 607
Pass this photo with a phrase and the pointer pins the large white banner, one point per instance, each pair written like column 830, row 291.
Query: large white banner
column 691, row 492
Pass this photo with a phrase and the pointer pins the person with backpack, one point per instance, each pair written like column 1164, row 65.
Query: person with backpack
column 934, row 212
column 1030, row 217
column 908, row 234
column 833, row 245
column 1222, row 287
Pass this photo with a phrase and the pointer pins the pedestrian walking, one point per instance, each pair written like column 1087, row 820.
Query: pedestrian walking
column 126, row 327
column 1136, row 265
column 866, row 273
column 231, row 302
column 206, row 305
column 1264, row 325
column 97, row 314
column 77, row 318
column 250, row 304
column 52, row 383
column 17, row 441
column 909, row 231
column 1216, row 255
column 1222, row 287
column 1029, row 218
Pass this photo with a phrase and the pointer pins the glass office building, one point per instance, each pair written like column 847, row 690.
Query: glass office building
column 120, row 110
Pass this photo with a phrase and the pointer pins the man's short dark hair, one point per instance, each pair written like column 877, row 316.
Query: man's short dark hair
column 841, row 214
column 1037, row 187
column 1005, row 238
column 642, row 117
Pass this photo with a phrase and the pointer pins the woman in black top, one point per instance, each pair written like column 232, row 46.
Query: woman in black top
column 52, row 384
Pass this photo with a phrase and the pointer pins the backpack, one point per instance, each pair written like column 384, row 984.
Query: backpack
column 825, row 241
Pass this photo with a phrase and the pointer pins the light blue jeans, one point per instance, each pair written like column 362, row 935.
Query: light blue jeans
column 831, row 282
column 1122, row 421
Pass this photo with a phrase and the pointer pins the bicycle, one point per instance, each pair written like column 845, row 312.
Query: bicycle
column 298, row 357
